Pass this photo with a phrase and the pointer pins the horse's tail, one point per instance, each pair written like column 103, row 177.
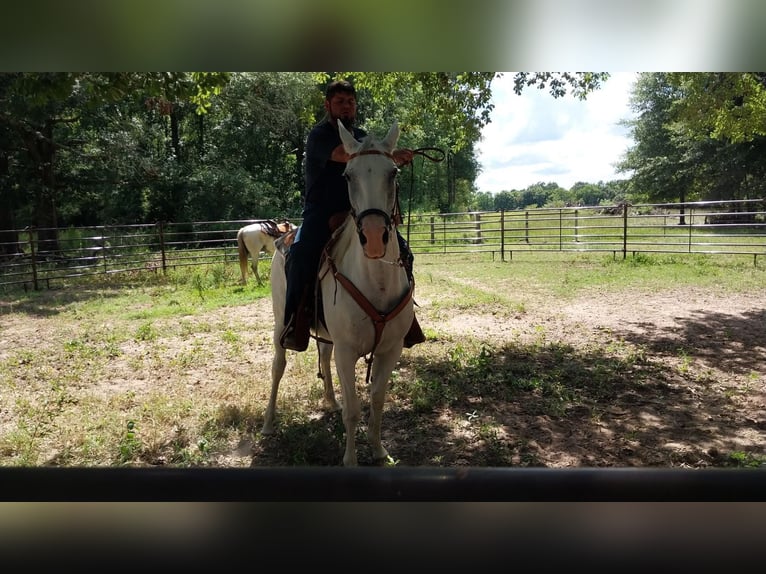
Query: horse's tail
column 243, row 254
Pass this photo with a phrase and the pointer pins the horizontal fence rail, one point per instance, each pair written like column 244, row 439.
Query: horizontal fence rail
column 36, row 257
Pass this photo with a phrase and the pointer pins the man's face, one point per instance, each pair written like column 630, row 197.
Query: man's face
column 342, row 106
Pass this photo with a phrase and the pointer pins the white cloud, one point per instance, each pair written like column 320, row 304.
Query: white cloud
column 536, row 138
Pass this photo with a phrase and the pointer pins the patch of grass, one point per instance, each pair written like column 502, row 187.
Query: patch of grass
column 305, row 440
column 36, row 420
column 130, row 444
column 233, row 339
column 741, row 459
column 146, row 332
column 142, row 350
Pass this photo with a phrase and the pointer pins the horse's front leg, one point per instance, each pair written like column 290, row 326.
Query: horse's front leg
column 325, row 371
column 255, row 270
column 382, row 366
column 345, row 365
column 278, row 364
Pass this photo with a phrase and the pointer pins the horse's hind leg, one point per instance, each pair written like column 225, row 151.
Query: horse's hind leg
column 243, row 272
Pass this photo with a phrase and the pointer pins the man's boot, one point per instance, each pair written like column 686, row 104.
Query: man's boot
column 414, row 335
column 296, row 334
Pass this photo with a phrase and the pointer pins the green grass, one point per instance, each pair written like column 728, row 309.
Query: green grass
column 569, row 275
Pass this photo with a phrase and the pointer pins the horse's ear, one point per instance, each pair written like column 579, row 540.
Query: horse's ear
column 350, row 143
column 392, row 137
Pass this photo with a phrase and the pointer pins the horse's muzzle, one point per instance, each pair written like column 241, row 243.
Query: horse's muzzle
column 373, row 234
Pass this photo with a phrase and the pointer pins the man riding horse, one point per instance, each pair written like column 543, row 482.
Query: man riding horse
column 326, row 196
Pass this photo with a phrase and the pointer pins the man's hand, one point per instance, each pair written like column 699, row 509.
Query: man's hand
column 403, row 156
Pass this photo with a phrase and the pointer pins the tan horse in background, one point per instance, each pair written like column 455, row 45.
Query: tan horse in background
column 257, row 237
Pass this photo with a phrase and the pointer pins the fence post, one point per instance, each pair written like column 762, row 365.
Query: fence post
column 625, row 230
column 161, row 226
column 433, row 230
column 691, row 225
column 477, row 222
column 577, row 226
column 31, row 231
column 104, row 243
column 502, row 235
column 561, row 229
column 526, row 226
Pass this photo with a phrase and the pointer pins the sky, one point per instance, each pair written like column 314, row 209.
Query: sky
column 536, row 138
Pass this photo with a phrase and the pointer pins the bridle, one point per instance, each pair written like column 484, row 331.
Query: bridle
column 387, row 218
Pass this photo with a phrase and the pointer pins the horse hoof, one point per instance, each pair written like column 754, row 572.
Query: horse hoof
column 331, row 406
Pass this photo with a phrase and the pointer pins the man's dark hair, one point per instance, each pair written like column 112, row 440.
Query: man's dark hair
column 339, row 86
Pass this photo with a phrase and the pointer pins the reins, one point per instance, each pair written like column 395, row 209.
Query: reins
column 422, row 151
column 426, row 153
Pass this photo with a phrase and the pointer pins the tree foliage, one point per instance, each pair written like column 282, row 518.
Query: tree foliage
column 558, row 84
column 86, row 148
column 723, row 105
column 697, row 137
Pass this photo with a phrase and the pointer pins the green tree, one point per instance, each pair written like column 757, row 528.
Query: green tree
column 723, row 116
column 728, row 106
column 661, row 168
column 91, row 148
column 253, row 157
column 590, row 193
column 41, row 111
column 686, row 148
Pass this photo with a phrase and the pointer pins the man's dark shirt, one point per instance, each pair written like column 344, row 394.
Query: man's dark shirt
column 326, row 187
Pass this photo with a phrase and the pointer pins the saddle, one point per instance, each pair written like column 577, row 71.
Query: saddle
column 274, row 229
column 311, row 310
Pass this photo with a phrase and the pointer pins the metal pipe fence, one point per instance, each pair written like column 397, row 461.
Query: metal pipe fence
column 725, row 227
column 31, row 259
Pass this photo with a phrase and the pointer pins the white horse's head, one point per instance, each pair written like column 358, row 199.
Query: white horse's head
column 371, row 174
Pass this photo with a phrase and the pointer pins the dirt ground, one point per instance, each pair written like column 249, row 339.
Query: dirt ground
column 678, row 380
column 703, row 368
column 695, row 395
